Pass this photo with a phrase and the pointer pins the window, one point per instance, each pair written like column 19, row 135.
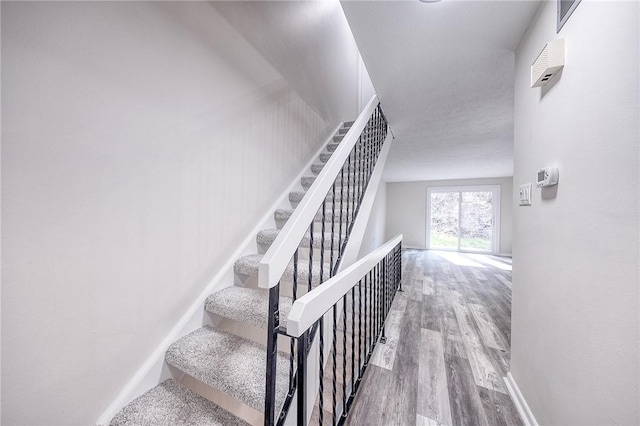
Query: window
column 463, row 218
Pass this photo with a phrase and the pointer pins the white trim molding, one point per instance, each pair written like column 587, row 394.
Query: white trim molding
column 519, row 401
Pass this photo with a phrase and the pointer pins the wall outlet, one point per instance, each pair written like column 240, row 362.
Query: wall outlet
column 525, row 194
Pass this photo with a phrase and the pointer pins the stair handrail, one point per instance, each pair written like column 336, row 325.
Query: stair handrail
column 377, row 278
column 309, row 308
column 274, row 262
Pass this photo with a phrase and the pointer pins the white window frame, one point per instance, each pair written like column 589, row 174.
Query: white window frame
column 495, row 234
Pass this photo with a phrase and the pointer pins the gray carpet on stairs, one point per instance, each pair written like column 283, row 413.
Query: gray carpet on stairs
column 248, row 265
column 307, row 181
column 171, row 403
column 316, row 168
column 297, row 196
column 332, row 146
column 282, row 215
column 247, row 305
column 267, row 236
column 229, row 363
column 324, row 157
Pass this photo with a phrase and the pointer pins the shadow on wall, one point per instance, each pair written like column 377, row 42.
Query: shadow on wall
column 549, row 86
column 309, row 43
column 549, row 192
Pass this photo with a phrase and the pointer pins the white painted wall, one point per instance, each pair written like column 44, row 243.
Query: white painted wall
column 310, row 44
column 141, row 143
column 407, row 209
column 575, row 324
column 366, row 88
column 375, row 234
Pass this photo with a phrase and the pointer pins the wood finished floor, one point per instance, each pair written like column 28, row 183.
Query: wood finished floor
column 448, row 346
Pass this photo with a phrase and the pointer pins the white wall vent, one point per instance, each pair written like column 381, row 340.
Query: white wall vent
column 548, row 63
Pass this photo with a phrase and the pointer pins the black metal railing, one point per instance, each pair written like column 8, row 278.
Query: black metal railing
column 335, row 219
column 358, row 327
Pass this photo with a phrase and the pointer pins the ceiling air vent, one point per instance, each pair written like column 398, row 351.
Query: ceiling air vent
column 548, row 63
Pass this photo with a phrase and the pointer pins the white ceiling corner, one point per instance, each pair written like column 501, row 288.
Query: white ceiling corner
column 444, row 73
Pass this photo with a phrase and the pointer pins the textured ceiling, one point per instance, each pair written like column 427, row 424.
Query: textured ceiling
column 444, row 74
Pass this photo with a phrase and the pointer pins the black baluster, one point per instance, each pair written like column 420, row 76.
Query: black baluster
column 322, row 229
column 383, row 313
column 370, row 291
column 377, row 311
column 333, row 226
column 321, row 347
column 311, row 256
column 380, row 297
column 273, row 323
column 302, row 376
column 375, row 304
column 344, row 358
column 334, row 381
column 340, row 224
column 348, row 229
column 360, row 167
column 400, row 272
column 295, row 296
column 360, row 356
column 353, row 339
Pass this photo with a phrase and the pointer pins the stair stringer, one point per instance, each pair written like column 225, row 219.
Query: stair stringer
column 350, row 256
column 155, row 370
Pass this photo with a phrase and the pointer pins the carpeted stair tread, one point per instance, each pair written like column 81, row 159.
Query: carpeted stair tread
column 229, row 363
column 338, row 138
column 171, row 403
column 316, row 168
column 307, row 181
column 297, row 196
column 251, row 262
column 266, row 237
column 332, row 146
column 282, row 215
column 248, row 264
column 247, row 305
column 324, row 157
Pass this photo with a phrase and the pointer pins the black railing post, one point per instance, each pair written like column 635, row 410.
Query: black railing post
column 344, row 357
column 383, row 337
column 335, row 379
column 399, row 250
column 400, row 267
column 272, row 352
column 310, row 281
column 302, row 378
column 321, row 377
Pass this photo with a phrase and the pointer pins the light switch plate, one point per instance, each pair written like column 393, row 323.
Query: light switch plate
column 525, row 194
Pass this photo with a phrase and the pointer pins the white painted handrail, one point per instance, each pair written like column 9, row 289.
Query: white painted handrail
column 279, row 254
column 312, row 306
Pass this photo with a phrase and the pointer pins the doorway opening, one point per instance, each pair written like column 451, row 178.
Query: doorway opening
column 464, row 218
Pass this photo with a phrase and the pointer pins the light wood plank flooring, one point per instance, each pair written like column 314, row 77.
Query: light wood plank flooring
column 447, row 350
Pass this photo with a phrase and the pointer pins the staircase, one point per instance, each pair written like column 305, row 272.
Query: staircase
column 232, row 359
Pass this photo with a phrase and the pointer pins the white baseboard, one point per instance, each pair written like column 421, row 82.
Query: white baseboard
column 519, row 401
column 154, row 370
column 505, row 254
column 409, row 246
